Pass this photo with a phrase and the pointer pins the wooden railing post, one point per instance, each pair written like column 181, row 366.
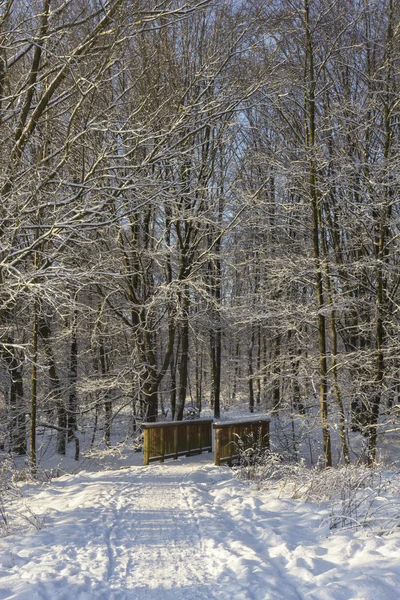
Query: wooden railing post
column 217, row 445
column 176, row 443
column 188, row 440
column 146, row 446
column 162, row 444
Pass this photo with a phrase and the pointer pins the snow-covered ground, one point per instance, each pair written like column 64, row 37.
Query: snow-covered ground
column 186, row 530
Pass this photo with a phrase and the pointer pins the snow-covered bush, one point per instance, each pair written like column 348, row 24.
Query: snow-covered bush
column 8, row 490
column 355, row 496
column 256, row 462
column 365, row 498
column 191, row 413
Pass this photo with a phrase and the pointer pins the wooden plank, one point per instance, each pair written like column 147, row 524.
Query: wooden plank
column 162, row 444
column 188, row 428
column 217, row 447
column 146, row 447
column 176, row 443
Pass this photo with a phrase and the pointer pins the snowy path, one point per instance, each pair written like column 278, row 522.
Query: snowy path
column 125, row 534
column 186, row 531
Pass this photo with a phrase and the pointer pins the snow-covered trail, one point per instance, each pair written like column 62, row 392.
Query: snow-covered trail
column 114, row 535
column 139, row 533
column 185, row 530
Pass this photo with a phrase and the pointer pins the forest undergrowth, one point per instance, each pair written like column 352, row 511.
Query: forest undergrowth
column 357, row 496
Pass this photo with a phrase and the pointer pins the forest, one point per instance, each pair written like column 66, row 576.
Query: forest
column 199, row 208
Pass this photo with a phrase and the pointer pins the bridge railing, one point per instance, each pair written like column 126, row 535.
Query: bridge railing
column 171, row 439
column 227, row 435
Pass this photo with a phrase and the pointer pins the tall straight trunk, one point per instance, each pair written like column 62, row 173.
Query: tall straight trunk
column 184, row 356
column 297, row 401
column 55, row 387
column 379, row 372
column 34, row 376
column 215, row 360
column 216, row 288
column 73, row 376
column 218, row 359
column 236, row 372
column 172, row 363
column 315, row 211
column 276, row 394
column 250, row 371
column 172, row 371
column 323, row 368
column 352, row 334
column 265, row 371
column 17, row 422
column 104, row 365
column 338, row 395
column 34, row 368
column 150, row 393
column 212, row 368
column 17, row 404
column 381, row 245
column 259, row 349
column 199, row 379
column 334, row 351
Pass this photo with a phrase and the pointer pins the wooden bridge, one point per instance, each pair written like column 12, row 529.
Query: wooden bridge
column 171, row 439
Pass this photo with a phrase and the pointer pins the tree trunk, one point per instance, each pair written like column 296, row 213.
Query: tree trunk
column 250, row 373
column 34, row 382
column 315, row 210
column 184, row 357
column 381, row 242
column 104, row 365
column 199, row 379
column 172, row 371
column 215, row 362
column 276, row 393
column 73, row 376
column 17, row 405
column 259, row 378
column 55, row 386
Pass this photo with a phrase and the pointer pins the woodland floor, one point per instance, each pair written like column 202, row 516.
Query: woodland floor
column 186, row 530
